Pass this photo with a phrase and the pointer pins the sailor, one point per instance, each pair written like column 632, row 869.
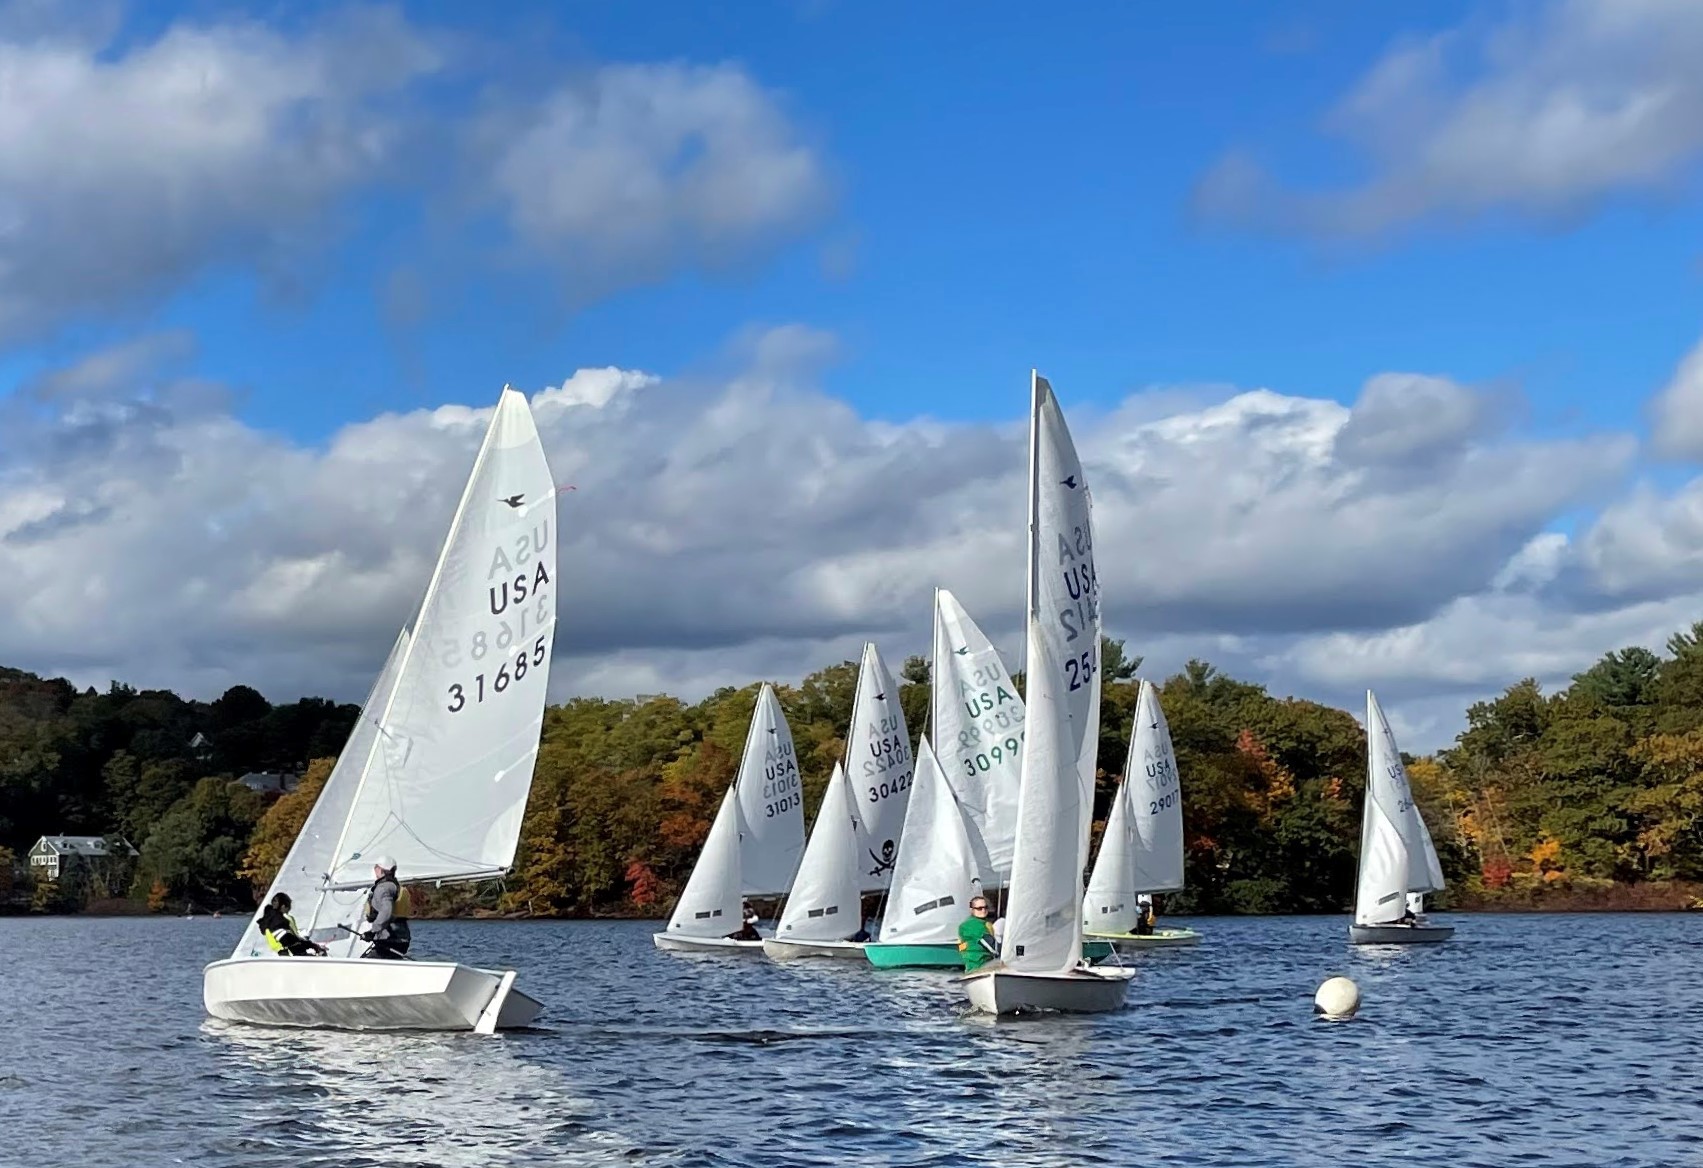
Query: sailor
column 977, row 944
column 862, row 934
column 748, row 929
column 387, row 912
column 1143, row 915
column 282, row 935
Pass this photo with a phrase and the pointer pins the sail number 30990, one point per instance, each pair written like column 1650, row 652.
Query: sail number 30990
column 506, row 675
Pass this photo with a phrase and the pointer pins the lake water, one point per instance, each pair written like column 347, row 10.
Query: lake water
column 1527, row 1040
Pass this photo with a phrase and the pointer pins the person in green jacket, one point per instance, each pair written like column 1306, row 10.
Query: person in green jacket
column 976, row 943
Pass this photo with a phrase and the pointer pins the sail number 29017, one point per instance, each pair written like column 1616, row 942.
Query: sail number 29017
column 482, row 685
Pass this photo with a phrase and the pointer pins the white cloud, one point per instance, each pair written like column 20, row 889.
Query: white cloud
column 1676, row 413
column 1544, row 114
column 124, row 171
column 728, row 527
column 633, row 169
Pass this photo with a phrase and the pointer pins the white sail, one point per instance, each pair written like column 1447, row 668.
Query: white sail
column 444, row 790
column 771, row 796
column 1043, row 930
column 978, row 729
column 711, row 902
column 935, row 874
column 879, row 769
column 825, row 903
column 1155, row 799
column 1393, row 862
column 1109, row 905
column 309, row 860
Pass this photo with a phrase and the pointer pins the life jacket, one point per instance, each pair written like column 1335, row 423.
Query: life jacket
column 273, row 941
column 404, row 902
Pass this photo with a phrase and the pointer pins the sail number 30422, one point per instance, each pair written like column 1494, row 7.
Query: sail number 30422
column 476, row 691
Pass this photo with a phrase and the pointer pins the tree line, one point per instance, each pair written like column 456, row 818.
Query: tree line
column 1589, row 796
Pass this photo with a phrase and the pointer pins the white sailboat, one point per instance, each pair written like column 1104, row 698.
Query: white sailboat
column 1141, row 850
column 436, row 773
column 879, row 770
column 1040, row 965
column 1397, row 859
column 710, row 904
column 934, row 877
column 753, row 846
column 825, row 905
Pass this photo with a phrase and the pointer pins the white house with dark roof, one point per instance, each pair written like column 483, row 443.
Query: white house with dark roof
column 55, row 855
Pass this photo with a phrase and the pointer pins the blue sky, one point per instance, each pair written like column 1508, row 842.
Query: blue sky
column 1012, row 188
column 784, row 261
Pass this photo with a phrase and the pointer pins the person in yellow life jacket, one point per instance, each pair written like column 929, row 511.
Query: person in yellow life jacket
column 279, row 929
column 1144, row 915
column 387, row 913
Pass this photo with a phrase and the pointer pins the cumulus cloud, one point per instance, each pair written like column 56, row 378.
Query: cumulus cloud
column 1676, row 413
column 632, row 169
column 1544, row 115
column 131, row 165
column 747, row 524
column 125, row 170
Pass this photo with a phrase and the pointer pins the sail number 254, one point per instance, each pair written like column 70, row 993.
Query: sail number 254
column 508, row 673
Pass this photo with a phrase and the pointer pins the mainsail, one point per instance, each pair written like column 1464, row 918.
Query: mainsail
column 771, row 797
column 1044, row 912
column 878, row 770
column 445, row 787
column 978, row 731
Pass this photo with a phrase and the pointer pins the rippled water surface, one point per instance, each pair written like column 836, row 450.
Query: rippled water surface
column 1527, row 1040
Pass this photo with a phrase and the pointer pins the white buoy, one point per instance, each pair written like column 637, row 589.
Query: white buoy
column 1337, row 998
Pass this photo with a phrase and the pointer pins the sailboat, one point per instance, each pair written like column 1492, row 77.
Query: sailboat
column 825, row 905
column 934, row 877
column 1141, row 850
column 435, row 774
column 753, row 846
column 1040, row 964
column 1397, row 859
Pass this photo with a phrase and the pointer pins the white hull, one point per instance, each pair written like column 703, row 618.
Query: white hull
column 795, row 950
column 1157, row 939
column 1399, row 934
column 365, row 994
column 681, row 943
column 1096, row 990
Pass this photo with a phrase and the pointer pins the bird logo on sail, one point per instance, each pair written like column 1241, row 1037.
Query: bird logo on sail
column 1068, row 481
column 513, row 500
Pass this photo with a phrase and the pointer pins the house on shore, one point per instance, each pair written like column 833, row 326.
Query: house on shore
column 55, row 857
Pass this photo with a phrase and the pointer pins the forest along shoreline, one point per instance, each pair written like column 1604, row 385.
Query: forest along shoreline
column 1587, row 799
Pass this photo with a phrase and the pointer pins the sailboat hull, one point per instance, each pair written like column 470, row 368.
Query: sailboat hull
column 798, row 950
column 897, row 956
column 1093, row 990
column 365, row 994
column 1130, row 942
column 680, row 943
column 1399, row 934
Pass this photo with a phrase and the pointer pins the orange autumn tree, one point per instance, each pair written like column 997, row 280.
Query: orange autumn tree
column 280, row 826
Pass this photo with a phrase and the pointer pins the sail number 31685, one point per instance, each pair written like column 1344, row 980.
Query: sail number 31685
column 510, row 672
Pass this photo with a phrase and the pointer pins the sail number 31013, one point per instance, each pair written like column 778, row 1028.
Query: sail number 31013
column 461, row 694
